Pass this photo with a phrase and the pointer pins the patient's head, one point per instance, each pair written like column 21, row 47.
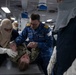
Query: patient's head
column 23, row 62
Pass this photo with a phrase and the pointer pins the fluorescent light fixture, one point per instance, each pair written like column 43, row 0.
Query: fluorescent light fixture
column 43, row 22
column 52, row 26
column 15, row 21
column 12, row 18
column 5, row 9
column 0, row 19
column 49, row 20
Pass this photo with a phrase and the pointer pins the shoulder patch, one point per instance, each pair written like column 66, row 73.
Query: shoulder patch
column 46, row 26
column 28, row 24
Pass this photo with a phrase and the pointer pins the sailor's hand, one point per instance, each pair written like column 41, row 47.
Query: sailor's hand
column 32, row 45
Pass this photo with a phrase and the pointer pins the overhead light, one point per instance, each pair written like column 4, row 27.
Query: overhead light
column 5, row 9
column 49, row 20
column 12, row 18
column 43, row 22
column 15, row 21
column 0, row 19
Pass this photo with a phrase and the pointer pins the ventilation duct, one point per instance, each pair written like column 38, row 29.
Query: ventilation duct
column 24, row 14
column 24, row 4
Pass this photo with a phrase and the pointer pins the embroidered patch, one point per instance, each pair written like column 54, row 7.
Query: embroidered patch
column 46, row 26
column 28, row 24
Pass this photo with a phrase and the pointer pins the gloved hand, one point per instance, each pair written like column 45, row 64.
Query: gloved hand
column 51, row 62
column 10, row 52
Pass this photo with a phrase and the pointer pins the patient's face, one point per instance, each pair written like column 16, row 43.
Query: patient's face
column 25, row 58
column 24, row 62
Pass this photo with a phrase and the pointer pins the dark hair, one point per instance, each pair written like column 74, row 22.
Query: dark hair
column 35, row 17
